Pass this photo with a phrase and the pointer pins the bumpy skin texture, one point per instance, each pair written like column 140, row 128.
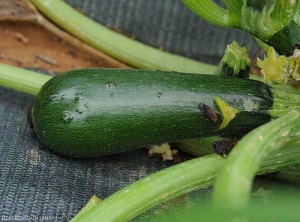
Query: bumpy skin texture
column 95, row 112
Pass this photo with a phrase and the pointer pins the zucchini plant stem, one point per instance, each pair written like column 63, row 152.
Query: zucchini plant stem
column 21, row 79
column 279, row 31
column 233, row 186
column 114, row 44
column 197, row 147
column 210, row 11
column 175, row 181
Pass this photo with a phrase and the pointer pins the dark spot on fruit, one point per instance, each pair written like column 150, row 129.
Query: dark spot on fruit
column 208, row 112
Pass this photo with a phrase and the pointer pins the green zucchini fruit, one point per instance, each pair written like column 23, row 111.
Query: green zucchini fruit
column 94, row 112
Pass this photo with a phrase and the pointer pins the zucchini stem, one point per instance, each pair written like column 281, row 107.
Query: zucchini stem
column 175, row 181
column 103, row 39
column 21, row 79
column 235, row 62
column 270, row 21
column 210, row 11
column 233, row 186
column 197, row 147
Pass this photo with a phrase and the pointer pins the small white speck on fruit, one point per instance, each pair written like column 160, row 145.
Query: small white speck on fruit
column 249, row 105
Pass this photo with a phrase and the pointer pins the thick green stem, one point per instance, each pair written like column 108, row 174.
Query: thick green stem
column 197, row 147
column 210, row 11
column 21, row 79
column 233, row 186
column 270, row 21
column 175, row 181
column 114, row 44
column 156, row 188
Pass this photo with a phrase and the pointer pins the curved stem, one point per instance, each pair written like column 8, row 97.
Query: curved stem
column 175, row 181
column 41, row 20
column 233, row 186
column 210, row 11
column 118, row 46
column 156, row 188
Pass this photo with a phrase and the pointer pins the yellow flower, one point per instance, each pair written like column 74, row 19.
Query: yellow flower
column 274, row 68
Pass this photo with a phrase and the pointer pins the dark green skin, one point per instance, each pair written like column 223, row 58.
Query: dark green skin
column 95, row 112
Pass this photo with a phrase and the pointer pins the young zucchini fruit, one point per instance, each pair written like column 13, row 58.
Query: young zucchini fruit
column 94, row 112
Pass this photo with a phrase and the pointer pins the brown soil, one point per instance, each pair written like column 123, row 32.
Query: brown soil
column 29, row 45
